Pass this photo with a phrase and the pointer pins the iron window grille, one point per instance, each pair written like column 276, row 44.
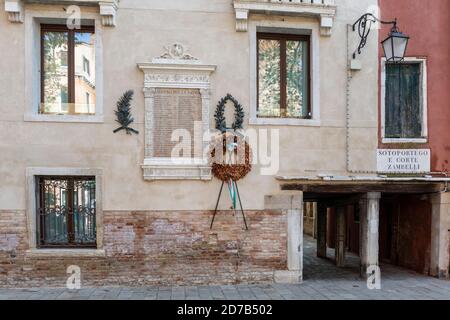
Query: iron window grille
column 66, row 212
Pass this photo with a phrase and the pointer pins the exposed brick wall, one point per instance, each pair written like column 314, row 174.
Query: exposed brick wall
column 13, row 242
column 160, row 248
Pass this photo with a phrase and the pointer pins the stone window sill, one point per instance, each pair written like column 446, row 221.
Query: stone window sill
column 418, row 140
column 63, row 118
column 176, row 169
column 284, row 122
column 39, row 253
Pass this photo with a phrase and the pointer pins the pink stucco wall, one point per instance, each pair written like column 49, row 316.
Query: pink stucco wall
column 428, row 24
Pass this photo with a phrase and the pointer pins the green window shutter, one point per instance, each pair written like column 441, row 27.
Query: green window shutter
column 403, row 107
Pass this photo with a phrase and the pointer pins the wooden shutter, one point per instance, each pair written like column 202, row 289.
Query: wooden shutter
column 403, row 106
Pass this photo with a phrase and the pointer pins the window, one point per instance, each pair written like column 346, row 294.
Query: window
column 63, row 57
column 63, row 69
column 64, row 98
column 283, row 76
column 66, row 212
column 404, row 101
column 86, row 66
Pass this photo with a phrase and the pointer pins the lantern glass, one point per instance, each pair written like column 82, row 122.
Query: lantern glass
column 395, row 46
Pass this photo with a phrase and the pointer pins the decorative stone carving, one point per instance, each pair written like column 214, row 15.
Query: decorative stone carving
column 179, row 78
column 242, row 20
column 14, row 8
column 175, row 69
column 108, row 9
column 177, row 52
column 326, row 24
column 324, row 10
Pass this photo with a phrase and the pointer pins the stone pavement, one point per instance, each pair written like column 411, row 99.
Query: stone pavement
column 322, row 281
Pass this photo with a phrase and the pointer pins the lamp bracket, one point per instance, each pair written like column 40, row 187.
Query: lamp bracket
column 364, row 24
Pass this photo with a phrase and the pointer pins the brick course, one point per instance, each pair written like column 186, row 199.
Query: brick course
column 156, row 248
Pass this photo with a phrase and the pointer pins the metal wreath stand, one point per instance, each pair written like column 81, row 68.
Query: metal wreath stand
column 234, row 206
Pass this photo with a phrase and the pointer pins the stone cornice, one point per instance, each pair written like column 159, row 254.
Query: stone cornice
column 176, row 66
column 108, row 8
column 325, row 10
column 150, row 67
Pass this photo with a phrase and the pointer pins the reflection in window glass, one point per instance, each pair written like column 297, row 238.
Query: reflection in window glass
column 54, row 217
column 297, row 79
column 55, row 72
column 269, row 78
column 68, row 70
column 84, row 78
column 84, row 212
column 64, row 58
column 283, row 76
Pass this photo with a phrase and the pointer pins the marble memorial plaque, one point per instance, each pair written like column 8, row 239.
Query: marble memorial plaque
column 175, row 109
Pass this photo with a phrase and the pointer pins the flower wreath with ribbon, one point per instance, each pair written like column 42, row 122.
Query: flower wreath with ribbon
column 230, row 154
column 230, row 157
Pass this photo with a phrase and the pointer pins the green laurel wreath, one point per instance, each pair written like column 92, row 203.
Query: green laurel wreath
column 219, row 115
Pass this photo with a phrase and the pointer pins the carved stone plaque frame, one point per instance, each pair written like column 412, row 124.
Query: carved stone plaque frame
column 175, row 69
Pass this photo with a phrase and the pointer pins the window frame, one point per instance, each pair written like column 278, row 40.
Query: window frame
column 40, row 227
column 32, row 195
column 283, row 38
column 70, row 64
column 86, row 66
column 33, row 18
column 310, row 28
column 424, row 100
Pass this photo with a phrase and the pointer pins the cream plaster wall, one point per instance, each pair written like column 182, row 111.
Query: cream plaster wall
column 207, row 27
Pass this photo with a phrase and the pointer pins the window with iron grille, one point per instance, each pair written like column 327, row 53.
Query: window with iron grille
column 66, row 214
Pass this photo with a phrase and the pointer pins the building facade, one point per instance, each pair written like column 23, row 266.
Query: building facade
column 132, row 209
column 414, row 99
